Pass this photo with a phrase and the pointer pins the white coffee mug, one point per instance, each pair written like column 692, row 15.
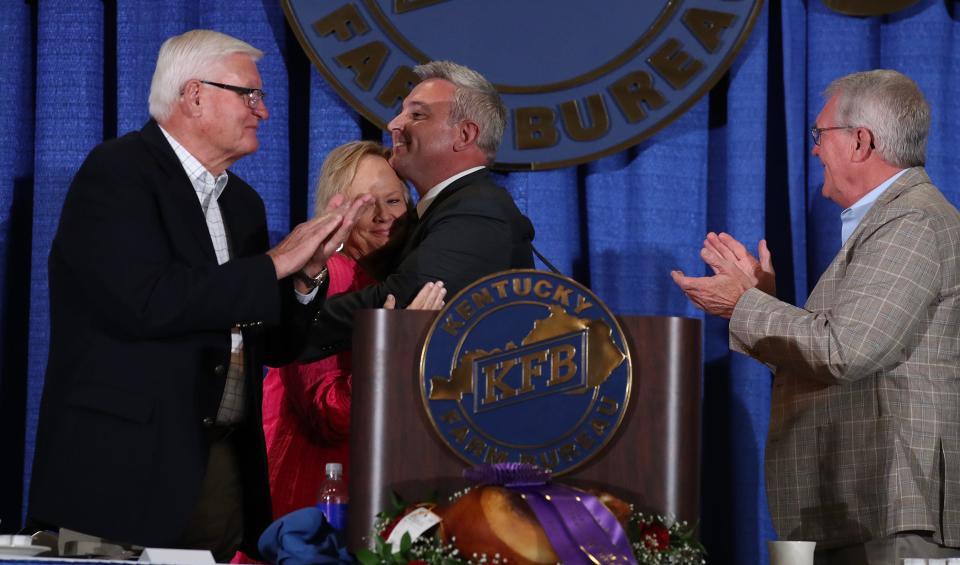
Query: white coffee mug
column 791, row 552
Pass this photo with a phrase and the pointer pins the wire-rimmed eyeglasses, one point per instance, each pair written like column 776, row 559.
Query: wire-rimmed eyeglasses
column 815, row 132
column 252, row 96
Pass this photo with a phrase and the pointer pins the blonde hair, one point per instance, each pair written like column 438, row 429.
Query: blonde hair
column 340, row 167
column 191, row 55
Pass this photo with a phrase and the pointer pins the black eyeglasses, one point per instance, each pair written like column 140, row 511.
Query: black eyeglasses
column 253, row 96
column 815, row 132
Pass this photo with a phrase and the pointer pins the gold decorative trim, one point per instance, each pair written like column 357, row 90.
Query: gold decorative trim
column 628, row 361
column 867, row 7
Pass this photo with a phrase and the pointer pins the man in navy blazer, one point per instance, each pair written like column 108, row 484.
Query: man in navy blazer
column 445, row 136
column 165, row 301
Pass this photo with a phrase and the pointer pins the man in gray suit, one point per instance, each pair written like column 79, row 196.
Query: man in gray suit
column 863, row 451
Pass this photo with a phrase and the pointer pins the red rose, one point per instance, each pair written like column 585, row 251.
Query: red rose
column 655, row 537
column 417, row 562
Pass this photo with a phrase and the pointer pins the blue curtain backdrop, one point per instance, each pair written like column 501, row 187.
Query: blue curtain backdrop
column 75, row 73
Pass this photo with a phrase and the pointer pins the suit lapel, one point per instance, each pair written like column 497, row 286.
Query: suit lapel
column 909, row 179
column 419, row 226
column 452, row 189
column 177, row 187
column 822, row 295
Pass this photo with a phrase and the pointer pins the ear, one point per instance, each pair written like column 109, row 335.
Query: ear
column 467, row 133
column 189, row 102
column 864, row 144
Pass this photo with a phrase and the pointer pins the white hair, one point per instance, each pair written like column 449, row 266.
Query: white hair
column 191, row 55
column 891, row 106
column 475, row 99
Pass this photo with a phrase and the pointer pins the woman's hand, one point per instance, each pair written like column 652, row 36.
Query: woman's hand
column 430, row 297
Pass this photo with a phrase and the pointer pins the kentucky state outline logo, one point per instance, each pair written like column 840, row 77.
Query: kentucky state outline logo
column 526, row 366
column 581, row 80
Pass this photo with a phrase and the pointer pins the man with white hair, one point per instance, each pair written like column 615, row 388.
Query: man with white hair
column 165, row 302
column 863, row 451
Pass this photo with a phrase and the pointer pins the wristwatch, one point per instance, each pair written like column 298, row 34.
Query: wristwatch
column 314, row 281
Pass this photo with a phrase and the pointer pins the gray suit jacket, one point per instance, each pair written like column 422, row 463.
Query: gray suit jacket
column 864, row 436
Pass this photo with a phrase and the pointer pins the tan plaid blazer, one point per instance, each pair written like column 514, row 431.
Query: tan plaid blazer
column 864, row 436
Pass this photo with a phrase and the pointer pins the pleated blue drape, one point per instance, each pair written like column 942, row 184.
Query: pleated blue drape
column 75, row 73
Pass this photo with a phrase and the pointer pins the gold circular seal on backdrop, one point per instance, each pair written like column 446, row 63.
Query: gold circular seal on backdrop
column 580, row 80
column 868, row 7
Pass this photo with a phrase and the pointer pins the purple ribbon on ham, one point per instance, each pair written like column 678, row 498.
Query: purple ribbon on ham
column 580, row 528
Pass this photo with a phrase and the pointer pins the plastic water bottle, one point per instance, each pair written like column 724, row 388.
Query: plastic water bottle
column 332, row 499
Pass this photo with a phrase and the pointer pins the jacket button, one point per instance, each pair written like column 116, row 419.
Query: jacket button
column 208, row 421
column 220, row 370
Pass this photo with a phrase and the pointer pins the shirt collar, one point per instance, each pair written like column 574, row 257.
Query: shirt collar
column 432, row 194
column 204, row 183
column 852, row 216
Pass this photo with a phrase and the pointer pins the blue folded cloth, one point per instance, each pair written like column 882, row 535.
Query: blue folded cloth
column 304, row 537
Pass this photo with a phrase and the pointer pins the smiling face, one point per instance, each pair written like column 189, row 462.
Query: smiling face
column 383, row 222
column 423, row 137
column 835, row 152
column 228, row 126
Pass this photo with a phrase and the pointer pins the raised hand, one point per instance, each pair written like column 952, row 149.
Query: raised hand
column 761, row 272
column 735, row 270
column 348, row 210
column 311, row 243
column 301, row 244
column 717, row 295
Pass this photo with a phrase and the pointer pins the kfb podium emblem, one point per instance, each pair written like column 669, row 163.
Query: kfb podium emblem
column 526, row 366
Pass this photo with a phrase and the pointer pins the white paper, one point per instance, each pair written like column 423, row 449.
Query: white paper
column 177, row 556
column 414, row 523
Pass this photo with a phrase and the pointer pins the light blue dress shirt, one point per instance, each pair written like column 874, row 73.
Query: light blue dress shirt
column 852, row 216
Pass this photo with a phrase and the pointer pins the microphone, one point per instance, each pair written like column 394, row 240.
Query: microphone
column 544, row 260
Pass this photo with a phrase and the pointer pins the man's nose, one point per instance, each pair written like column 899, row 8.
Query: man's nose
column 260, row 110
column 394, row 123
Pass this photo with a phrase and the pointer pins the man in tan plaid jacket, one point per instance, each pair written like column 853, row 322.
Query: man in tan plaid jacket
column 863, row 451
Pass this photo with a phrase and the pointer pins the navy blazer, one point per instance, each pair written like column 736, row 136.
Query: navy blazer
column 140, row 316
column 472, row 229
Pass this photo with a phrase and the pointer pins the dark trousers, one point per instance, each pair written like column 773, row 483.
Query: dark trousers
column 217, row 521
column 890, row 550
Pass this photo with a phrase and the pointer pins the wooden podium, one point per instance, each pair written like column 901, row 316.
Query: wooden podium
column 653, row 460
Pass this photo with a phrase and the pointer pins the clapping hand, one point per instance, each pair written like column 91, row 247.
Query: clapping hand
column 760, row 272
column 311, row 243
column 735, row 270
column 339, row 206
